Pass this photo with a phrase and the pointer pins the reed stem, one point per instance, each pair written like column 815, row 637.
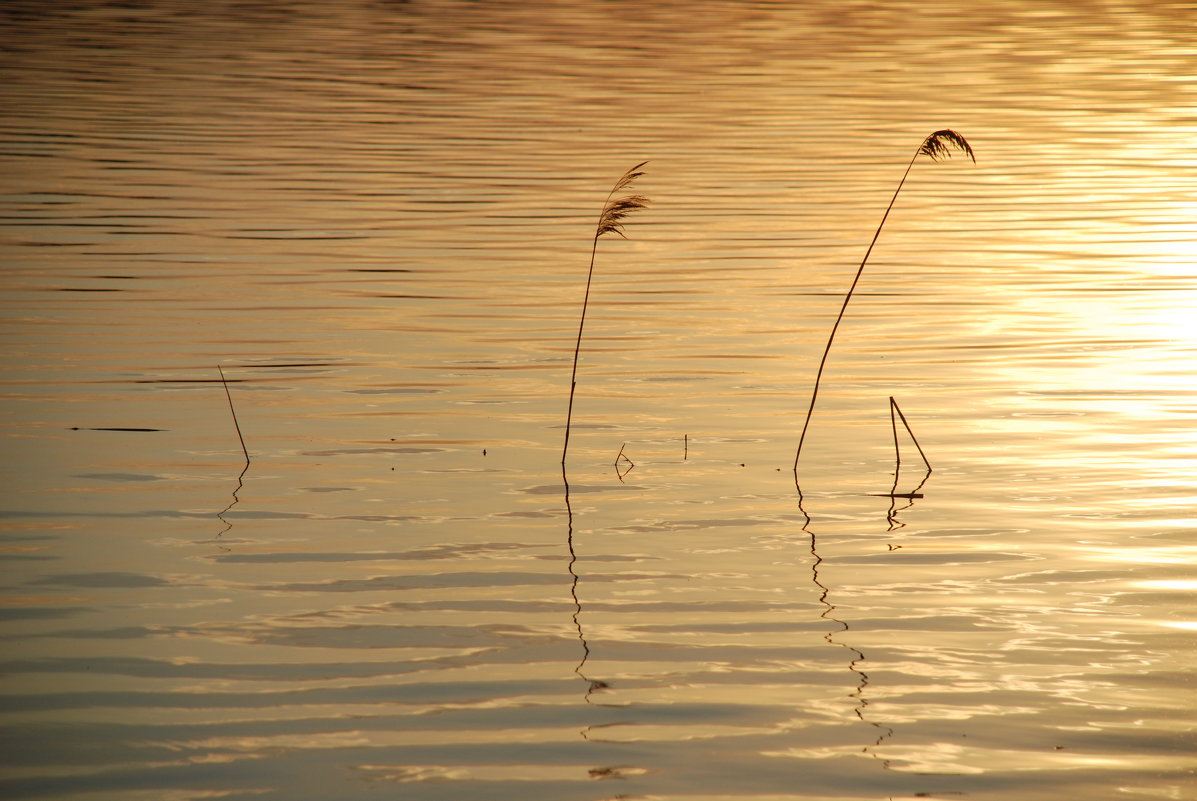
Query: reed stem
column 936, row 146
column 609, row 222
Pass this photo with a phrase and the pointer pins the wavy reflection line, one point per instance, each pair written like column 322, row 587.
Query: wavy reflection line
column 228, row 525
column 891, row 516
column 593, row 685
column 858, row 657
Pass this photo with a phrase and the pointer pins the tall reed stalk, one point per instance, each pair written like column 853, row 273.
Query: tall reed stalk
column 937, row 146
column 615, row 208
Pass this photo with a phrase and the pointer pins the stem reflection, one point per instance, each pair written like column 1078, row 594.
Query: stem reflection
column 857, row 660
column 593, row 685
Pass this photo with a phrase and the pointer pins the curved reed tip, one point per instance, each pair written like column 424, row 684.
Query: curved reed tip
column 940, row 145
column 617, row 208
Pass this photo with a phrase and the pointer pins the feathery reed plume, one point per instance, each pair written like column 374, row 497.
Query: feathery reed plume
column 937, row 146
column 940, row 145
column 610, row 221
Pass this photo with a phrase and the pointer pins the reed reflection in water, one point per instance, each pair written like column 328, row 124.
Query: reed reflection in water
column 373, row 217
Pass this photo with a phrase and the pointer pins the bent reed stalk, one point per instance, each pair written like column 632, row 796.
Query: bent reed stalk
column 893, row 407
column 610, row 221
column 938, row 146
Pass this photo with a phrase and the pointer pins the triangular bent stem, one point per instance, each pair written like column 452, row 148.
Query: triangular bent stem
column 893, row 407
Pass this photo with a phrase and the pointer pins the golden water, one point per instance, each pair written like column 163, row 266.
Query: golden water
column 376, row 217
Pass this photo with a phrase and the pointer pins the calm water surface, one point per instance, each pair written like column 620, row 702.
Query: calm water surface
column 376, row 218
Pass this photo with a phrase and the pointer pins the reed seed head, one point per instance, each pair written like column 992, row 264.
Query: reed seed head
column 941, row 144
column 617, row 208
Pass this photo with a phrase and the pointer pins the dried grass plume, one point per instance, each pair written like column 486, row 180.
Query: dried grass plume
column 941, row 144
column 615, row 209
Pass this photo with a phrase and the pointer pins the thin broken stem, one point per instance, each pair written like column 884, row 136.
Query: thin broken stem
column 236, row 425
column 893, row 407
column 631, row 464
